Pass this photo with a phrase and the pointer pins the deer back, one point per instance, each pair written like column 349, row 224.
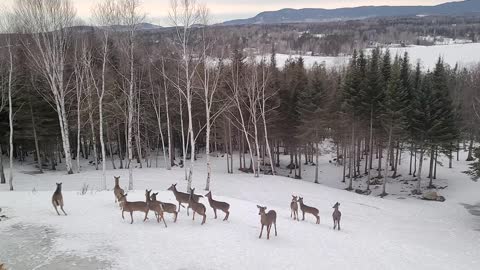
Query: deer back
column 307, row 209
column 217, row 204
column 269, row 218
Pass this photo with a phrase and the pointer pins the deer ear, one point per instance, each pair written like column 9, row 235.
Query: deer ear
column 258, row 206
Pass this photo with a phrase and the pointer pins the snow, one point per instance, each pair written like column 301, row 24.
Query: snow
column 465, row 55
column 389, row 233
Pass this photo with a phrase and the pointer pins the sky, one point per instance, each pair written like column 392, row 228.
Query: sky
column 222, row 10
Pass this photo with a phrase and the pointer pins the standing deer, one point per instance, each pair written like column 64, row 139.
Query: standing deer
column 294, row 208
column 117, row 190
column 267, row 219
column 133, row 207
column 182, row 197
column 167, row 207
column 197, row 207
column 336, row 216
column 308, row 209
column 218, row 205
column 57, row 199
column 156, row 207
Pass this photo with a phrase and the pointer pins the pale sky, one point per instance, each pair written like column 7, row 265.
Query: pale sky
column 222, row 10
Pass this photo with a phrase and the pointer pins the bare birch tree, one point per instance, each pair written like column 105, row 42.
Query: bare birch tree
column 184, row 14
column 47, row 23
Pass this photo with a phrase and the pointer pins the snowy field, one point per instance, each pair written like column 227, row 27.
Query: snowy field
column 463, row 54
column 397, row 232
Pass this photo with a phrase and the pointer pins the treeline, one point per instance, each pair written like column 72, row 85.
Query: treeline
column 109, row 95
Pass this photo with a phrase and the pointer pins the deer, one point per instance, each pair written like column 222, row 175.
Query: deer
column 197, row 207
column 294, row 208
column 182, row 197
column 156, row 207
column 267, row 219
column 218, row 205
column 2, row 267
column 167, row 207
column 308, row 209
column 336, row 216
column 57, row 199
column 133, row 207
column 117, row 190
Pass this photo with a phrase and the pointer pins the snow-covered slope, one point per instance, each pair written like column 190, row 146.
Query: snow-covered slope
column 376, row 233
column 463, row 54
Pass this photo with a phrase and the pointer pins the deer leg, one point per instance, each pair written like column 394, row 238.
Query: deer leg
column 204, row 218
column 303, row 212
column 291, row 213
column 215, row 211
column 318, row 219
column 122, row 215
column 193, row 215
column 176, row 214
column 261, row 231
column 226, row 216
column 146, row 216
column 131, row 217
column 54, row 206
column 268, row 231
column 61, row 207
column 179, row 206
column 296, row 213
column 338, row 224
column 334, row 224
column 275, row 224
column 188, row 208
column 164, row 222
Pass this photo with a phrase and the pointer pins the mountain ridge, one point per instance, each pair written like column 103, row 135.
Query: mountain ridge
column 305, row 15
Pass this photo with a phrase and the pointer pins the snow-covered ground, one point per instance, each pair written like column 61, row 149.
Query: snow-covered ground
column 397, row 232
column 463, row 54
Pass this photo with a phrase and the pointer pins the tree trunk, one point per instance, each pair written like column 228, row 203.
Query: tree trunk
column 411, row 159
column 110, row 148
column 380, row 155
column 317, row 153
column 384, row 186
column 352, row 158
column 120, row 150
column 2, row 171
column 470, row 149
column 419, row 180
column 35, row 138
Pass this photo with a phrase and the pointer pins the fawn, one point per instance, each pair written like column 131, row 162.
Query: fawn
column 167, row 207
column 117, row 190
column 156, row 207
column 294, row 208
column 182, row 197
column 197, row 207
column 308, row 209
column 57, row 199
column 267, row 219
column 218, row 205
column 133, row 207
column 336, row 216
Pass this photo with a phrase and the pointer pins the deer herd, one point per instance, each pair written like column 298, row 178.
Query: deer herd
column 192, row 200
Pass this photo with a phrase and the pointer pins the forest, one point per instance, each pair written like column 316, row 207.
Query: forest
column 112, row 94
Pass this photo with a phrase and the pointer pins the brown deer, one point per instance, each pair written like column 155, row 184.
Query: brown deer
column 218, row 205
column 57, row 199
column 133, row 207
column 2, row 267
column 156, row 207
column 182, row 197
column 336, row 216
column 308, row 209
column 117, row 190
column 294, row 208
column 267, row 219
column 167, row 207
column 197, row 207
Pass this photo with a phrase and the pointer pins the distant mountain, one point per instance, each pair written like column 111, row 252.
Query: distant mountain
column 140, row 27
column 323, row 15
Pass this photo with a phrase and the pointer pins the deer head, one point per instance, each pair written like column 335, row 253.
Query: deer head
column 300, row 200
column 336, row 205
column 294, row 199
column 59, row 186
column 173, row 187
column 209, row 194
column 261, row 209
column 153, row 197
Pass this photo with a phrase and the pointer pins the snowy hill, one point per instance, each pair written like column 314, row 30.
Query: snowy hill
column 393, row 233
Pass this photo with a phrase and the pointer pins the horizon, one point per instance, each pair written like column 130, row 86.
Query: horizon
column 221, row 10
